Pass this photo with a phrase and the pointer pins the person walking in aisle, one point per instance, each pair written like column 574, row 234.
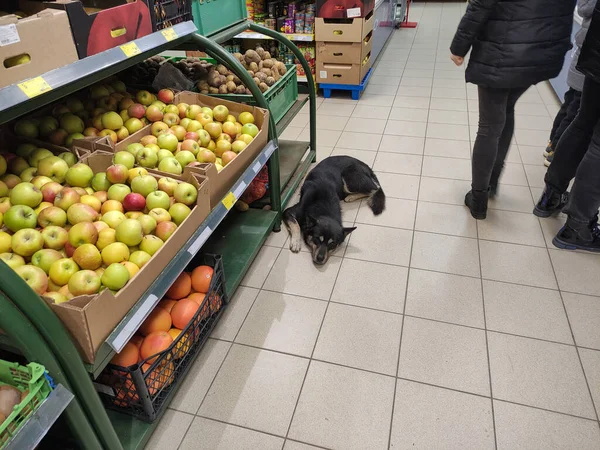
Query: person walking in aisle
column 575, row 78
column 514, row 45
column 576, row 156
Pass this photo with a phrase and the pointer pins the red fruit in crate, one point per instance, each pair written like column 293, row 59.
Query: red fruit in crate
column 155, row 343
column 183, row 312
column 127, row 357
column 181, row 287
column 134, row 202
column 201, row 278
column 158, row 320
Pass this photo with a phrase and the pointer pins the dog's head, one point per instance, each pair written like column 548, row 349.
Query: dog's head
column 324, row 235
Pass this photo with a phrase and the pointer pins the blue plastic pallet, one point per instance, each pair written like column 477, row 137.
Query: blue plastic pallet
column 355, row 88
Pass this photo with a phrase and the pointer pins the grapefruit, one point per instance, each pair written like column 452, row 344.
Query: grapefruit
column 183, row 312
column 201, row 278
column 181, row 287
column 155, row 343
column 158, row 320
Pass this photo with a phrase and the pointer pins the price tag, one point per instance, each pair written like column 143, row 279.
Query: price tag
column 130, row 49
column 34, row 87
column 169, row 34
column 229, row 201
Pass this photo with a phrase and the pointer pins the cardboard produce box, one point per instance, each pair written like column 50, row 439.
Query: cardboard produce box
column 332, row 73
column 344, row 52
column 219, row 182
column 344, row 9
column 90, row 319
column 24, row 54
column 343, row 30
column 102, row 30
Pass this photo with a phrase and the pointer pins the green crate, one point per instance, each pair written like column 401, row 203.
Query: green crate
column 212, row 16
column 31, row 378
column 280, row 97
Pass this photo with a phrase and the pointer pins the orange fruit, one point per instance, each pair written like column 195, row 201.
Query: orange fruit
column 127, row 357
column 126, row 395
column 181, row 287
column 198, row 297
column 183, row 345
column 158, row 320
column 167, row 304
column 155, row 343
column 160, row 378
column 183, row 312
column 136, row 340
column 201, row 277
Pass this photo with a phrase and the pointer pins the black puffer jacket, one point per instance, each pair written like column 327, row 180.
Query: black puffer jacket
column 589, row 59
column 515, row 43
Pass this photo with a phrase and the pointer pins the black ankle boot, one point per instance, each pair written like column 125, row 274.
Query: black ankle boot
column 550, row 203
column 579, row 236
column 477, row 202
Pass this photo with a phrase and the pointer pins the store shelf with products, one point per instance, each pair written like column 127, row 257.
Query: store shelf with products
column 237, row 236
column 298, row 37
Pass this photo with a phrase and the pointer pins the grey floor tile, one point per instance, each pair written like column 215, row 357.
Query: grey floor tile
column 344, row 408
column 293, row 445
column 535, row 175
column 348, row 334
column 538, row 373
column 444, row 355
column 516, row 264
column 512, row 198
column 590, row 360
column 170, row 431
column 399, row 213
column 584, row 315
column 405, row 128
column 409, row 114
column 206, row 434
column 234, row 315
column 441, row 190
column 526, row 311
column 283, row 323
column 576, row 272
column 371, row 112
column 403, row 101
column 429, row 417
column 448, row 254
column 199, row 378
column 295, row 273
column 453, row 168
column 257, row 389
column 362, row 125
column 366, row 156
column 445, row 131
column 389, row 281
column 398, row 185
column 380, row 244
column 445, row 219
column 447, row 147
column 257, row 274
column 512, row 227
column 398, row 163
column 444, row 297
column 520, row 427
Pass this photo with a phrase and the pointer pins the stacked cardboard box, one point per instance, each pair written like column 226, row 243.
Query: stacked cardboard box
column 344, row 48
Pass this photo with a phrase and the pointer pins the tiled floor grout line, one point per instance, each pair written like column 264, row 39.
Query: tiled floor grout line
column 393, row 412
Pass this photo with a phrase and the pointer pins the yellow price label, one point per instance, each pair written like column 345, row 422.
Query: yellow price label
column 229, row 201
column 34, row 87
column 130, row 49
column 169, row 34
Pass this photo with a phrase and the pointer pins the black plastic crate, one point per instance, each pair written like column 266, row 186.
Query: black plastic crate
column 142, row 393
column 166, row 13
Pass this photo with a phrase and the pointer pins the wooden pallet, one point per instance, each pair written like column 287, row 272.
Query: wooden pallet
column 356, row 89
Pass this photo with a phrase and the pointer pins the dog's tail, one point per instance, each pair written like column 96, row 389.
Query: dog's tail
column 377, row 201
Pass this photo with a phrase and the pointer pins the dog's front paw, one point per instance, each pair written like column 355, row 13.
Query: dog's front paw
column 295, row 245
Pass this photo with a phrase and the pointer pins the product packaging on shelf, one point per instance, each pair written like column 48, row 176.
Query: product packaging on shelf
column 344, row 9
column 24, row 55
column 91, row 318
column 102, row 30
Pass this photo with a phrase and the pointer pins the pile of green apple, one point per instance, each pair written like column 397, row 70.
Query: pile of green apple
column 100, row 111
column 187, row 135
column 70, row 232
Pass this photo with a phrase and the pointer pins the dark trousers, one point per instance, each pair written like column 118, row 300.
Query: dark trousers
column 565, row 115
column 578, row 155
column 496, row 127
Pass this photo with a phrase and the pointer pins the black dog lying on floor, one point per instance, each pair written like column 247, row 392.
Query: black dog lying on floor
column 317, row 218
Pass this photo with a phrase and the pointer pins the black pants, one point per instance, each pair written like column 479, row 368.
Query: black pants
column 565, row 116
column 496, row 127
column 578, row 155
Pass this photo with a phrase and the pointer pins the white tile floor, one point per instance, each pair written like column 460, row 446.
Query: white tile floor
column 429, row 330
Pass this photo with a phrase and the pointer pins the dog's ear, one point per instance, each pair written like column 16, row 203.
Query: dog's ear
column 347, row 231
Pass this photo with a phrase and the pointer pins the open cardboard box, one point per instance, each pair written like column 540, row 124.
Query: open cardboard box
column 53, row 49
column 219, row 182
column 343, row 30
column 332, row 73
column 91, row 318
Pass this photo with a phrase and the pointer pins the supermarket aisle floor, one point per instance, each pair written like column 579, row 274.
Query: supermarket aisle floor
column 428, row 330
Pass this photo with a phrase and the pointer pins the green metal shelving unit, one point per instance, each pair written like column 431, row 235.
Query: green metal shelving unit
column 236, row 236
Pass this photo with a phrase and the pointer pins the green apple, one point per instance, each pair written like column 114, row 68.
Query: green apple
column 151, row 244
column 111, row 121
column 84, row 282
column 5, row 242
column 19, row 217
column 71, row 123
column 55, row 237
column 52, row 216
column 87, row 256
column 36, row 156
column 186, row 193
column 158, row 199
column 34, row 277
column 124, row 158
column 83, row 233
column 129, row 232
column 118, row 192
column 185, row 157
column 44, row 258
column 147, row 157
column 148, row 223
column 134, row 148
column 164, row 230
column 113, row 218
column 54, row 168
column 250, row 129
column 100, row 182
column 26, row 194
column 167, row 185
column 62, row 270
column 26, row 128
column 79, row 175
column 144, row 184
column 13, row 260
column 167, row 141
column 116, row 252
column 69, row 158
column 139, row 258
column 115, row 276
column 170, row 165
column 179, row 212
column 26, row 242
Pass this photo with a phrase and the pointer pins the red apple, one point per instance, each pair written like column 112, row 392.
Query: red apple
column 165, row 95
column 136, row 111
column 165, row 229
column 49, row 191
column 134, row 202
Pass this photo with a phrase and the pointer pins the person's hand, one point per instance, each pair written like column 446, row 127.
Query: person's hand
column 458, row 60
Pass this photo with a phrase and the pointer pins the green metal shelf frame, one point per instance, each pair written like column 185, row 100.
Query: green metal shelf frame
column 21, row 300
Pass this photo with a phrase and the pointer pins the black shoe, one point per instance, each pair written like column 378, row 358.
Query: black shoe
column 548, row 150
column 579, row 236
column 493, row 191
column 550, row 203
column 549, row 159
column 477, row 202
